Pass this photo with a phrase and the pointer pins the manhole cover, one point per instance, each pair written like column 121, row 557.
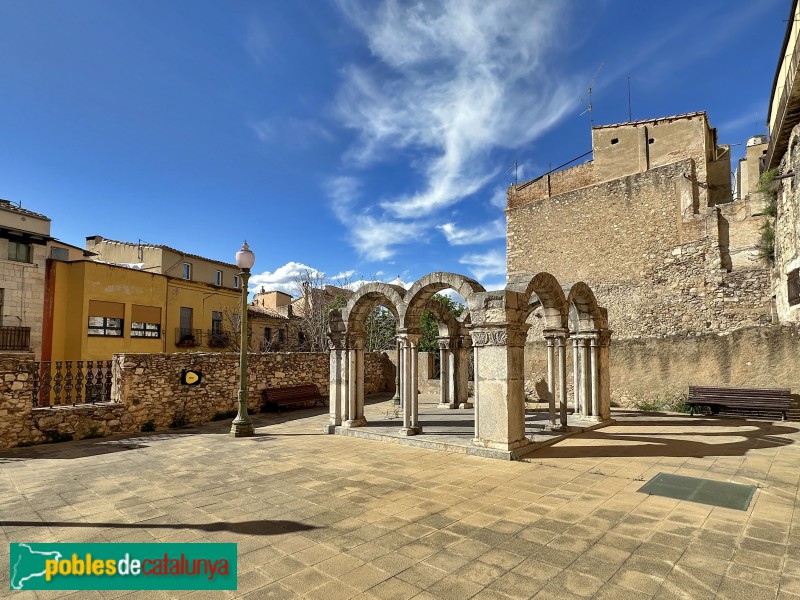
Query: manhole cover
column 704, row 491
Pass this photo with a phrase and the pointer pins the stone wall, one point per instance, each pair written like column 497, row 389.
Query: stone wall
column 146, row 387
column 787, row 230
column 23, row 292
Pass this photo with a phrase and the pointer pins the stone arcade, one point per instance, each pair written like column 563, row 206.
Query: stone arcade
column 494, row 325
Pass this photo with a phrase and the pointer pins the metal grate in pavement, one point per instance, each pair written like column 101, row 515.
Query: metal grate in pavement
column 703, row 491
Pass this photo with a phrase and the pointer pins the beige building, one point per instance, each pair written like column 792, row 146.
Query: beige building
column 164, row 260
column 650, row 225
column 24, row 236
column 783, row 155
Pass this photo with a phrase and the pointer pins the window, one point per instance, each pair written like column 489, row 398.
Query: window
column 793, row 287
column 236, row 282
column 614, row 141
column 107, row 326
column 281, row 335
column 187, row 270
column 267, row 334
column 651, row 141
column 216, row 321
column 217, row 277
column 2, row 298
column 301, row 338
column 145, row 321
column 19, row 251
column 106, row 318
column 59, row 253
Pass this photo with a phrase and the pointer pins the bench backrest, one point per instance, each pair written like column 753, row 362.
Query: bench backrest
column 780, row 396
column 297, row 391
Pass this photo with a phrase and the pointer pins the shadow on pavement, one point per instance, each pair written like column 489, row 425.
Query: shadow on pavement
column 246, row 527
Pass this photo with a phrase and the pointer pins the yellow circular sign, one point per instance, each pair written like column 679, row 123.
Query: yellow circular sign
column 192, row 377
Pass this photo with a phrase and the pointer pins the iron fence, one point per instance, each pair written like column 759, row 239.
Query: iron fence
column 15, row 338
column 68, row 382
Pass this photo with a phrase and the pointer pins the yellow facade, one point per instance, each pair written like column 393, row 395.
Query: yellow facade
column 85, row 302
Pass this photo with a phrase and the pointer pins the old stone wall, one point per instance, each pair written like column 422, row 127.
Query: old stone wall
column 552, row 184
column 655, row 369
column 146, row 387
column 787, row 230
column 23, row 292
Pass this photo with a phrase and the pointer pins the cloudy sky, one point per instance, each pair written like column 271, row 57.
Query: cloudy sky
column 354, row 138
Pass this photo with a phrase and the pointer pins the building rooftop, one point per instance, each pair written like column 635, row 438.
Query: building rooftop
column 8, row 205
column 690, row 115
column 267, row 312
column 162, row 247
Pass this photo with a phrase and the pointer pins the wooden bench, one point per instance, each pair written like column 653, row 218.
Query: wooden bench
column 298, row 394
column 762, row 399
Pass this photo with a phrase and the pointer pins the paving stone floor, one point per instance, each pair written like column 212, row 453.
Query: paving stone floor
column 323, row 516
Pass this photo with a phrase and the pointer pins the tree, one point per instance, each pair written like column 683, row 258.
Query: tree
column 430, row 326
column 317, row 299
column 380, row 329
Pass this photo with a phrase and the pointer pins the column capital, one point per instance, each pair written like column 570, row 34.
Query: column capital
column 337, row 341
column 356, row 342
column 501, row 335
column 556, row 332
column 446, row 343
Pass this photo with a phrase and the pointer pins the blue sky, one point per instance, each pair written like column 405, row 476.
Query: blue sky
column 368, row 137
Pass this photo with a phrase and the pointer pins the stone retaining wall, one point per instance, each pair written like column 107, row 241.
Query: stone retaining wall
column 147, row 388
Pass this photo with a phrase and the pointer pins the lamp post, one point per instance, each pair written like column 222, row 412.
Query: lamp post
column 242, row 426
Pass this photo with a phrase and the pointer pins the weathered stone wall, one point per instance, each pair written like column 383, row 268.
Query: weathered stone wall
column 146, row 387
column 787, row 230
column 553, row 184
column 656, row 369
column 23, row 296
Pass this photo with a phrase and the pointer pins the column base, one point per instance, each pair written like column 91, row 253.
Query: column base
column 466, row 405
column 411, row 430
column 330, row 428
column 360, row 422
column 396, row 401
column 241, row 430
column 446, row 405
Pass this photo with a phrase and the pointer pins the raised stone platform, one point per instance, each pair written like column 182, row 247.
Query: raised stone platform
column 453, row 430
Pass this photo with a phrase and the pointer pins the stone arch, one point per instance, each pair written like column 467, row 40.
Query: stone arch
column 367, row 297
column 550, row 294
column 590, row 315
column 426, row 287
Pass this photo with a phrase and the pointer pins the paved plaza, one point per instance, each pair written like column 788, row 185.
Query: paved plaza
column 328, row 516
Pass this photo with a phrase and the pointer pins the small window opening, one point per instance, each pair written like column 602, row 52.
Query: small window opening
column 650, row 141
column 614, row 141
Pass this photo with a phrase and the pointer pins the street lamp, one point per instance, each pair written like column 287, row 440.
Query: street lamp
column 242, row 426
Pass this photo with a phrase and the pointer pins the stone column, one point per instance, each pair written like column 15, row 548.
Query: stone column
column 499, row 385
column 396, row 397
column 462, row 347
column 446, row 374
column 355, row 400
column 413, row 396
column 603, row 375
column 594, row 382
column 577, row 385
column 552, row 337
column 586, row 382
column 561, row 347
column 338, row 386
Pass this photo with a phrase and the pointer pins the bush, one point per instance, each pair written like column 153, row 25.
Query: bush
column 178, row 421
column 148, row 426
column 54, row 436
column 224, row 415
column 93, row 433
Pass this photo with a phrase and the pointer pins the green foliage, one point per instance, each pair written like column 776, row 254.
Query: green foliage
column 148, row 426
column 766, row 185
column 430, row 326
column 178, row 421
column 380, row 328
column 675, row 402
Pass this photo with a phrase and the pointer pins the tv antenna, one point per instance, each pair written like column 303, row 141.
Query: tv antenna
column 515, row 166
column 630, row 113
column 589, row 92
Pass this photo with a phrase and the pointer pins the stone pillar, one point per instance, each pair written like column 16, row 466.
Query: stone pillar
column 446, row 374
column 552, row 337
column 396, row 397
column 355, row 400
column 338, row 381
column 577, row 385
column 586, row 382
column 409, row 385
column 462, row 372
column 561, row 347
column 500, row 386
column 603, row 375
column 594, row 380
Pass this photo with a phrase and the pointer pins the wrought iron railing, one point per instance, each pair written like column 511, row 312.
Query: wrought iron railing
column 15, row 338
column 187, row 338
column 218, row 339
column 68, row 382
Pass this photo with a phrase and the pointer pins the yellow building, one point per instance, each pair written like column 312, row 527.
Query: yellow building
column 94, row 310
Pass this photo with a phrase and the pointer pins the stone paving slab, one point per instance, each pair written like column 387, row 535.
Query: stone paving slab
column 322, row 516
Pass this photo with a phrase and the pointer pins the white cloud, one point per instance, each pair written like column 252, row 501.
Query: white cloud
column 488, row 264
column 262, row 129
column 299, row 133
column 373, row 238
column 462, row 237
column 452, row 80
column 256, row 40
column 500, row 198
column 286, row 278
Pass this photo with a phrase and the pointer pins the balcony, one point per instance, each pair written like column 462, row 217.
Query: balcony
column 15, row 338
column 188, row 338
column 218, row 339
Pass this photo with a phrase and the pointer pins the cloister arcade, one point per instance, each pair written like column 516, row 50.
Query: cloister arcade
column 494, row 326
